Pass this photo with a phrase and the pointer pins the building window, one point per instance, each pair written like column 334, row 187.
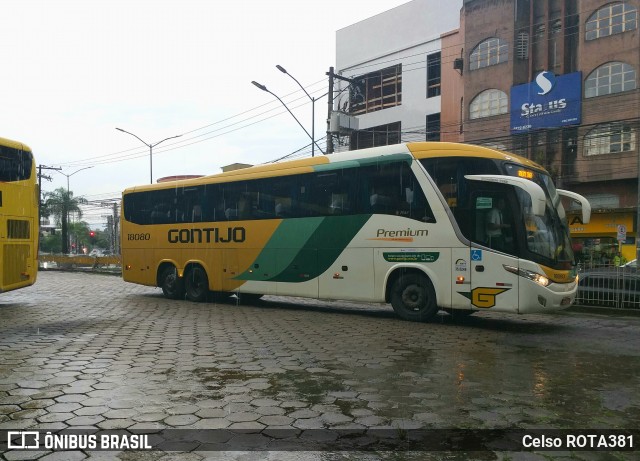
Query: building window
column 487, row 103
column 522, row 45
column 556, row 27
column 488, row 53
column 382, row 135
column 433, row 127
column 376, row 91
column 611, row 19
column 613, row 77
column 609, row 138
column 433, row 75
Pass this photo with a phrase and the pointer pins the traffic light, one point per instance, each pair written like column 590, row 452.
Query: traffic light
column 92, row 236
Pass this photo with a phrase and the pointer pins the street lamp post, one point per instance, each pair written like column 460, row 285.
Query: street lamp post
column 150, row 146
column 313, row 108
column 68, row 197
column 69, row 175
column 264, row 88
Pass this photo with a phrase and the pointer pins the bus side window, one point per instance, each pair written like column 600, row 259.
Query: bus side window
column 382, row 198
column 245, row 206
column 415, row 205
column 160, row 214
column 282, row 207
column 339, row 203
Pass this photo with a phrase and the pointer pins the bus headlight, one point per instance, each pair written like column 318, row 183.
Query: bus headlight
column 540, row 279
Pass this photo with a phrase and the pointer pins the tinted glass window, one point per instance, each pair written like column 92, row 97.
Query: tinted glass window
column 382, row 188
column 15, row 165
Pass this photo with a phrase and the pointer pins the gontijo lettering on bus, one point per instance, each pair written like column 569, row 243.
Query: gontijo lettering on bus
column 207, row 235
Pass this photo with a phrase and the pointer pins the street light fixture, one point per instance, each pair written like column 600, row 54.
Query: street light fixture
column 69, row 175
column 264, row 88
column 313, row 108
column 150, row 146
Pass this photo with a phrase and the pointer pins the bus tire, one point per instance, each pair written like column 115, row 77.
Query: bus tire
column 196, row 284
column 413, row 298
column 172, row 285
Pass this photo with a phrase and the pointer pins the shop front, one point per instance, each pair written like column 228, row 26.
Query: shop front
column 596, row 243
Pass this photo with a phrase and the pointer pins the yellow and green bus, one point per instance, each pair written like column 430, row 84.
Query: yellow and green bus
column 19, row 225
column 404, row 224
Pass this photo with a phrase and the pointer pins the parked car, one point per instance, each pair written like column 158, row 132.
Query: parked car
column 609, row 287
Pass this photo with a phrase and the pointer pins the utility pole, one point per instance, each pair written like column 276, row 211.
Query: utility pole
column 332, row 75
column 110, row 232
column 48, row 178
column 116, row 220
column 330, row 112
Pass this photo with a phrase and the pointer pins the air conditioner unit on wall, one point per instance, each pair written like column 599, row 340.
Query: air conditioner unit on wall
column 342, row 123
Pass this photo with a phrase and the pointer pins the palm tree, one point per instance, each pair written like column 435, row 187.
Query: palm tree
column 60, row 203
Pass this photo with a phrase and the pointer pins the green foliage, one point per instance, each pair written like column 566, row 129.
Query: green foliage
column 50, row 243
column 61, row 204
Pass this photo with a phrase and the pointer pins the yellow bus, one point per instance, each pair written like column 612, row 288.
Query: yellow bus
column 19, row 225
column 405, row 224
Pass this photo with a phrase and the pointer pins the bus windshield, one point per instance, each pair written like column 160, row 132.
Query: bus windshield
column 546, row 236
column 474, row 204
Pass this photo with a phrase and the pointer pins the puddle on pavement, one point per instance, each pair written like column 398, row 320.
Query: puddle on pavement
column 484, row 386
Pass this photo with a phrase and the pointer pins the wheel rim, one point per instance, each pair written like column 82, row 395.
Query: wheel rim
column 413, row 297
column 170, row 282
column 196, row 282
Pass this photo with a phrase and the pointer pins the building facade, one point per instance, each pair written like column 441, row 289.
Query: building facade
column 553, row 80
column 395, row 59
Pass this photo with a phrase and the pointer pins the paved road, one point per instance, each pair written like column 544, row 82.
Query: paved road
column 90, row 351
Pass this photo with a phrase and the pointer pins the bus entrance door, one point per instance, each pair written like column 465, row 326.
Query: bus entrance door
column 492, row 286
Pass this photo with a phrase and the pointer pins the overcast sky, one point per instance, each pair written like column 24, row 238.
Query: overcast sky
column 73, row 71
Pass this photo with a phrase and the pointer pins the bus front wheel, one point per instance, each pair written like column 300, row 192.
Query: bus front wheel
column 172, row 285
column 413, row 298
column 196, row 284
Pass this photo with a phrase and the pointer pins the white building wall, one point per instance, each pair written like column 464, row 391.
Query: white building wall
column 406, row 35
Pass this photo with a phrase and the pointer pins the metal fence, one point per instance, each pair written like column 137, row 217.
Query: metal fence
column 110, row 263
column 609, row 286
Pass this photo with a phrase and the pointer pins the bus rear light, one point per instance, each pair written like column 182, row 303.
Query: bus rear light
column 460, row 280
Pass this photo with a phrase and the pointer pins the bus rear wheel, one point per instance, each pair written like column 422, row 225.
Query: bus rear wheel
column 196, row 284
column 172, row 285
column 413, row 298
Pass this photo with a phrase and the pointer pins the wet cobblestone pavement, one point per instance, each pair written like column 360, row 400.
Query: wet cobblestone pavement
column 87, row 351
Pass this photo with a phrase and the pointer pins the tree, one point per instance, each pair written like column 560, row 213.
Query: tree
column 60, row 203
column 79, row 234
column 50, row 243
